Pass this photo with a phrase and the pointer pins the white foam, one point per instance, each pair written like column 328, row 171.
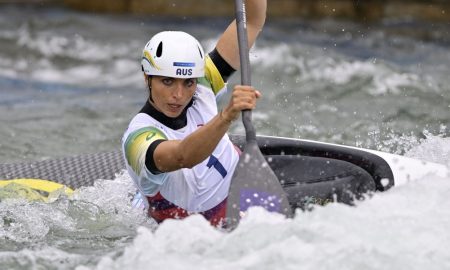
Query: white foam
column 41, row 258
column 113, row 198
column 103, row 208
column 405, row 228
column 22, row 221
column 433, row 148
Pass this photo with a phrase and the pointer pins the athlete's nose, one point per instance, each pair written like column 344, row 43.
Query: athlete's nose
column 178, row 91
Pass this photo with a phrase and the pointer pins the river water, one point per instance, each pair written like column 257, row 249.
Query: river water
column 70, row 82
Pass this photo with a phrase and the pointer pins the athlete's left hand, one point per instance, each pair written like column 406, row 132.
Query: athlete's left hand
column 243, row 98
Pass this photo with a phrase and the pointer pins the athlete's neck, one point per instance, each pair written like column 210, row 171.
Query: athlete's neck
column 171, row 122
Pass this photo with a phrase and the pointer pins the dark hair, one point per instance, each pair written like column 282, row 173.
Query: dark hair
column 149, row 86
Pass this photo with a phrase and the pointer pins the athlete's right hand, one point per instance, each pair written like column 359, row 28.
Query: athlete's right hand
column 243, row 98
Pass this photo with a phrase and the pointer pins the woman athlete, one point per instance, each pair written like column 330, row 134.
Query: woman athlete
column 176, row 148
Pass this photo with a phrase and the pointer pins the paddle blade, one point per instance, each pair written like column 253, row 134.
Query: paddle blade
column 254, row 184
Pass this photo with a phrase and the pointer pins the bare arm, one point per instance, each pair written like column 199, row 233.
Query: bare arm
column 172, row 155
column 227, row 46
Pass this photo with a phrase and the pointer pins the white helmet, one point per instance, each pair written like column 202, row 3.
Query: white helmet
column 173, row 54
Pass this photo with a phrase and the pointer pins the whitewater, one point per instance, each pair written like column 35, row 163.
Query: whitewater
column 70, row 82
column 403, row 228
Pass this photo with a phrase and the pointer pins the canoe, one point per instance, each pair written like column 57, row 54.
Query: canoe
column 310, row 172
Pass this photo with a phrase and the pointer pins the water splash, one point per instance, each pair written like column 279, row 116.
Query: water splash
column 434, row 148
column 403, row 228
column 99, row 217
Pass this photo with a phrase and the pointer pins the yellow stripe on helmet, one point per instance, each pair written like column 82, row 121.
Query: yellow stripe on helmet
column 150, row 60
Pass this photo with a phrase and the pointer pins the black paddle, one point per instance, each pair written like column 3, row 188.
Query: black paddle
column 253, row 183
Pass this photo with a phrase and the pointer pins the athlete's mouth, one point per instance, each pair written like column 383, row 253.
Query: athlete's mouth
column 174, row 106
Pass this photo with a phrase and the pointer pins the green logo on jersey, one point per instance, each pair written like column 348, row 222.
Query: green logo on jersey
column 150, row 136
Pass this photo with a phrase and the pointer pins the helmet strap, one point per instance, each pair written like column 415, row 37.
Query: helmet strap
column 149, row 85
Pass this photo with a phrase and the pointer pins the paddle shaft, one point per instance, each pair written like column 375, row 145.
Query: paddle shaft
column 241, row 21
column 253, row 183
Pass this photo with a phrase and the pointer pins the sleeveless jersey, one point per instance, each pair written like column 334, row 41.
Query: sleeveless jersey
column 206, row 184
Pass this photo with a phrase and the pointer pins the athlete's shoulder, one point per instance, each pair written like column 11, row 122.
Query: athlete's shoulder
column 136, row 143
column 140, row 122
column 213, row 78
column 141, row 119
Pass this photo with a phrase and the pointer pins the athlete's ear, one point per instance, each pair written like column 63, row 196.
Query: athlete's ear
column 148, row 81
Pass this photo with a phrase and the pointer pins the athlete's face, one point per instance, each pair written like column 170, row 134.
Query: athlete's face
column 171, row 95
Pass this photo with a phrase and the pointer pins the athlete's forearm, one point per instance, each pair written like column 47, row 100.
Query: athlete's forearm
column 200, row 144
column 172, row 155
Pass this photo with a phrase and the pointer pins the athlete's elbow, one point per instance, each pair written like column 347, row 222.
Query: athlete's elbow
column 186, row 162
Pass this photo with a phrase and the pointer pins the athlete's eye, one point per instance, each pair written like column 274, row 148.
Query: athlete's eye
column 167, row 81
column 190, row 82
